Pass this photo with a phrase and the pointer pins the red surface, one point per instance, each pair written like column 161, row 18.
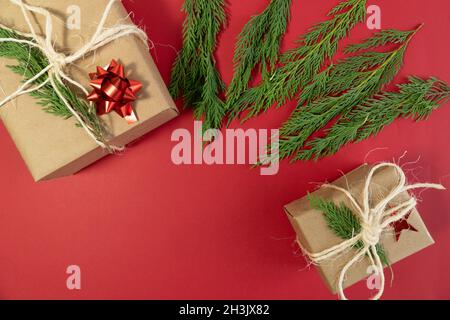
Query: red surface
column 142, row 228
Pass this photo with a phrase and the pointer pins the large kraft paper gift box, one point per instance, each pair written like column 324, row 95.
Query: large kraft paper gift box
column 314, row 234
column 53, row 147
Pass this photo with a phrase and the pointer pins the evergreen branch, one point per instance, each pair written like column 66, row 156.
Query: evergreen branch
column 31, row 61
column 258, row 44
column 180, row 76
column 343, row 222
column 301, row 64
column 356, row 78
column 194, row 74
column 416, row 99
column 339, row 78
column 211, row 107
column 380, row 39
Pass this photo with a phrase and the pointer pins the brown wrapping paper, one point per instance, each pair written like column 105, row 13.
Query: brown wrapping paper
column 315, row 236
column 53, row 147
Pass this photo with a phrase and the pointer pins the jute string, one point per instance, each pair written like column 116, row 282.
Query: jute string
column 58, row 61
column 374, row 222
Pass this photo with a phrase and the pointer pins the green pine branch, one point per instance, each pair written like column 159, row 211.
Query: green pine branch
column 343, row 222
column 300, row 65
column 183, row 77
column 348, row 84
column 258, row 44
column 416, row 99
column 339, row 78
column 30, row 61
column 194, row 74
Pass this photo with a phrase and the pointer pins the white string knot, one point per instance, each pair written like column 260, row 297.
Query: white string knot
column 374, row 222
column 371, row 233
column 58, row 61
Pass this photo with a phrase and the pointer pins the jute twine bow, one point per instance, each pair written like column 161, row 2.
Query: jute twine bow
column 58, row 61
column 374, row 222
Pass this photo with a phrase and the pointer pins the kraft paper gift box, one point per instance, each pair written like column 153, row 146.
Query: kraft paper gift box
column 53, row 147
column 314, row 234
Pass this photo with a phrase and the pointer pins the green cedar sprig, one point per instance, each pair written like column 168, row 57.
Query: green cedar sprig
column 258, row 44
column 194, row 74
column 31, row 61
column 300, row 65
column 346, row 85
column 416, row 99
column 339, row 78
column 343, row 222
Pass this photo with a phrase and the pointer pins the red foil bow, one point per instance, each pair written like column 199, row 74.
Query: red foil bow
column 114, row 92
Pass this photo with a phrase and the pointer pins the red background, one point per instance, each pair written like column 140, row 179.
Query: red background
column 142, row 228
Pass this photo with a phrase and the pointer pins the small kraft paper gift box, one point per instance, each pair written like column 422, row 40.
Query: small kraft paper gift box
column 356, row 226
column 91, row 45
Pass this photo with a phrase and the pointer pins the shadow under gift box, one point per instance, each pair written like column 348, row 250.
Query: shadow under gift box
column 51, row 146
column 314, row 235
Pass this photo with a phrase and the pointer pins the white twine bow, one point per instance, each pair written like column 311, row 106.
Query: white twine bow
column 58, row 61
column 374, row 221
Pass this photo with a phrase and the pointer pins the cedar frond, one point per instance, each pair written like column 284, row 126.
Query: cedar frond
column 380, row 39
column 343, row 222
column 416, row 99
column 30, row 61
column 348, row 84
column 194, row 73
column 300, row 65
column 258, row 44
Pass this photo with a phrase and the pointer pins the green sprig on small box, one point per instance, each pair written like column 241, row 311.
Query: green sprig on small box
column 343, row 222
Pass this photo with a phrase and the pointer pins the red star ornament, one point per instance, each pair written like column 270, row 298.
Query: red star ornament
column 401, row 225
column 113, row 92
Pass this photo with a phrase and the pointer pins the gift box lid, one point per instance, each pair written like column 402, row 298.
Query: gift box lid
column 314, row 234
column 54, row 147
